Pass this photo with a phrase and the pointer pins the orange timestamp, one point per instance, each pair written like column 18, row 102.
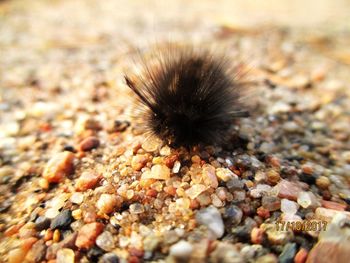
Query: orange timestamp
column 306, row 225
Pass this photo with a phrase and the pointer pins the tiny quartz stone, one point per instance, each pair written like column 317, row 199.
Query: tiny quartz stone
column 59, row 166
column 106, row 203
column 204, row 199
column 307, row 199
column 77, row 198
column 289, row 207
column 195, row 190
column 165, row 151
column 216, row 201
column 51, row 213
column 181, row 249
column 87, row 180
column 105, row 241
column 65, row 255
column 209, row 176
column 139, row 161
column 158, row 171
column 176, row 167
column 87, row 235
column 211, row 218
column 152, row 144
column 136, row 208
column 224, row 174
column 271, row 203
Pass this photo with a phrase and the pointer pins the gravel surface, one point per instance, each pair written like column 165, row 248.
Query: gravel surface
column 80, row 181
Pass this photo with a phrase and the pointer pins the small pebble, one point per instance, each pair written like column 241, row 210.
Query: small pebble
column 288, row 253
column 289, row 207
column 235, row 183
column 181, row 249
column 209, row 176
column 211, row 218
column 62, row 220
column 56, row 236
column 16, row 255
column 89, row 143
column 87, row 180
column 224, row 174
column 87, row 235
column 109, row 258
column 151, row 144
column 107, row 203
column 37, row 252
column 234, row 214
column 323, row 182
column 307, row 199
column 105, row 241
column 136, row 208
column 139, row 161
column 59, row 166
column 158, row 171
column 195, row 190
column 288, row 190
column 271, row 203
column 77, row 198
column 273, row 177
column 65, row 255
column 42, row 223
column 44, row 183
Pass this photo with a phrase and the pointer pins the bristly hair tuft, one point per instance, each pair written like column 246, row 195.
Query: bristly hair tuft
column 190, row 97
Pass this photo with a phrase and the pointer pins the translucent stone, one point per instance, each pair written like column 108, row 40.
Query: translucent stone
column 59, row 201
column 195, row 190
column 106, row 203
column 211, row 218
column 51, row 213
column 129, row 194
column 105, row 241
column 158, row 171
column 289, row 207
column 165, row 151
column 77, row 198
column 216, row 201
column 271, row 203
column 65, row 255
column 182, row 203
column 136, row 208
column 176, row 167
column 209, row 176
column 304, row 199
column 224, row 174
column 204, row 199
column 151, row 144
column 181, row 249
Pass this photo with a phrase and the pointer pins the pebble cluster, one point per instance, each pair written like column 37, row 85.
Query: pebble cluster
column 80, row 182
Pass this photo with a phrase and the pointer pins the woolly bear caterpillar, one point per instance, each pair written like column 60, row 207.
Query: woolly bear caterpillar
column 189, row 96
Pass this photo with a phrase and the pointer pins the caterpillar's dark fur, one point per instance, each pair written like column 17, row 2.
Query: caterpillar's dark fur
column 190, row 97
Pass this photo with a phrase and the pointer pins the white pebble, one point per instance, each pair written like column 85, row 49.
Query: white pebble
column 289, row 207
column 211, row 218
column 181, row 249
